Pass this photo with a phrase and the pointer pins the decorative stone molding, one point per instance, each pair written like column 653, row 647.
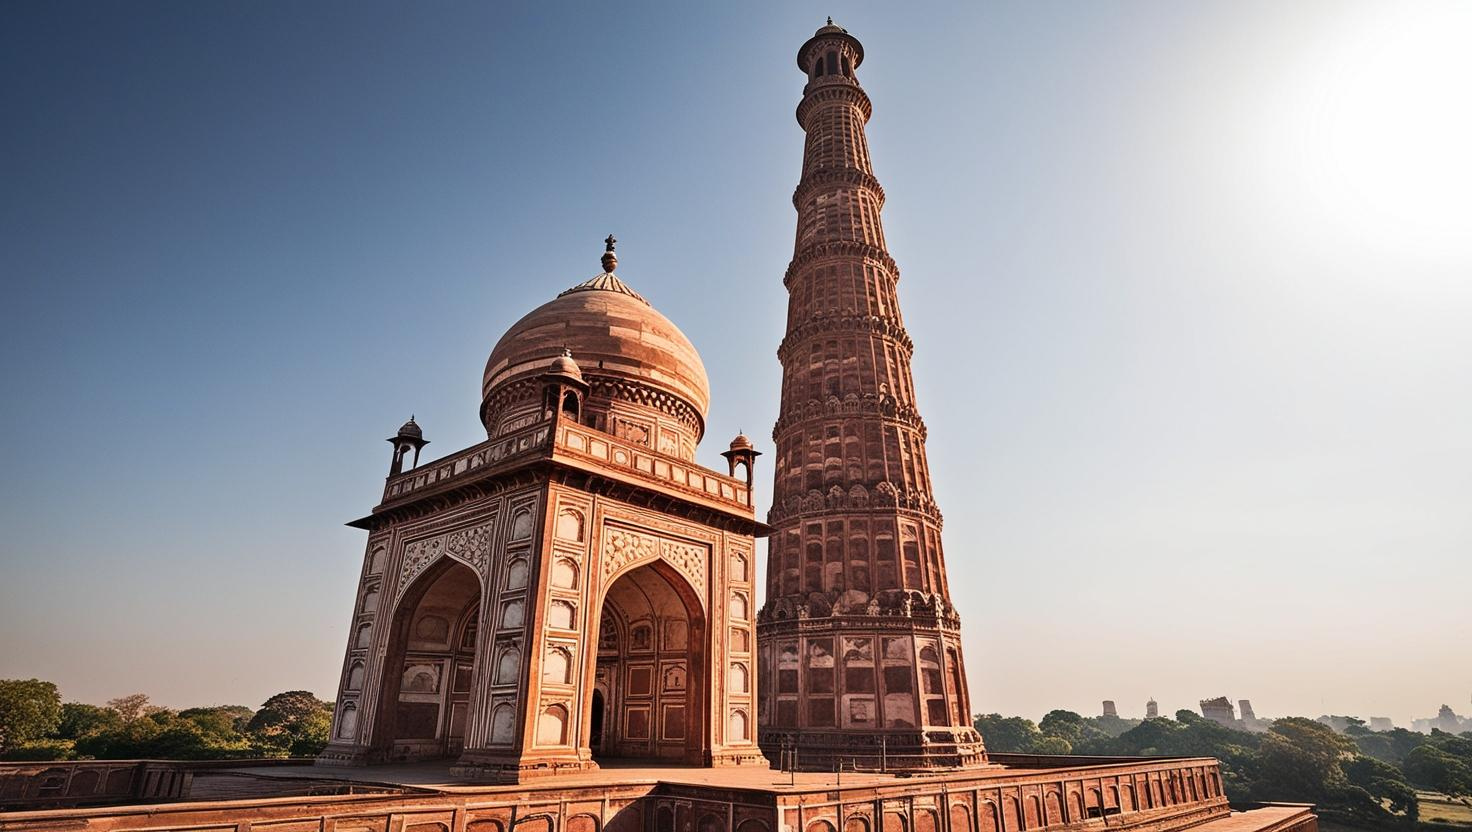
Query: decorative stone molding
column 840, row 249
column 870, row 404
column 471, row 547
column 627, row 390
column 846, row 92
column 855, row 498
column 837, row 176
column 624, row 548
column 850, row 322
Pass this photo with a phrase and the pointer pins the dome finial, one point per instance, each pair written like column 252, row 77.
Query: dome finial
column 830, row 20
column 610, row 260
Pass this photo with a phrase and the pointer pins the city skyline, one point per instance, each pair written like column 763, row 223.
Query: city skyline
column 1188, row 359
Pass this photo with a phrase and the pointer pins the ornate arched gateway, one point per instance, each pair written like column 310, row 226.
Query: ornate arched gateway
column 649, row 676
column 429, row 665
column 574, row 588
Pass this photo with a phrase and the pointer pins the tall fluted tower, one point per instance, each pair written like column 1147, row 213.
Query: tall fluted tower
column 860, row 646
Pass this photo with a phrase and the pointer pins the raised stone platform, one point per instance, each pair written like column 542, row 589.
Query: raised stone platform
column 1024, row 793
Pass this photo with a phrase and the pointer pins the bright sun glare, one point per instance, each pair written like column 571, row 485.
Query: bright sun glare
column 1370, row 132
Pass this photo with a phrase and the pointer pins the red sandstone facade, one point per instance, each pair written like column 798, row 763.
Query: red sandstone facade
column 860, row 646
column 576, row 589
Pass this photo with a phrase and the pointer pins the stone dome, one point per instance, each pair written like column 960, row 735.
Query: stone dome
column 564, row 365
column 631, row 356
column 411, row 429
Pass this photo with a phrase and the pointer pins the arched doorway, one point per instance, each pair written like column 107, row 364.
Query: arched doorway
column 429, row 666
column 647, row 700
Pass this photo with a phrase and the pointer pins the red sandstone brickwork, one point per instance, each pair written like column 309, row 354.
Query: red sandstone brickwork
column 860, row 646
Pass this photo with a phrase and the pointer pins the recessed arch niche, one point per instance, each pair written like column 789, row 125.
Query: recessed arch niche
column 651, row 670
column 426, row 679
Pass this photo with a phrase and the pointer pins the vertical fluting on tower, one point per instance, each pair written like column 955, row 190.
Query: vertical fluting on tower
column 859, row 645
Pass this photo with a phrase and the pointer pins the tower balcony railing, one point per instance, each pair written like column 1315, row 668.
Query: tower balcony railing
column 579, row 445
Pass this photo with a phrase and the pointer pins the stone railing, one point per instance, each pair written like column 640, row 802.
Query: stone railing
column 525, row 442
column 573, row 443
column 641, row 463
column 65, row 783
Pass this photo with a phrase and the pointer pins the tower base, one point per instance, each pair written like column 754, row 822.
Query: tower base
column 916, row 750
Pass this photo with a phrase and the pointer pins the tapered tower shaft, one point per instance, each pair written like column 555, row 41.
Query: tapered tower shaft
column 860, row 646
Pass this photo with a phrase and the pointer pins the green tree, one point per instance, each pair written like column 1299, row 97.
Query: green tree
column 292, row 723
column 1150, row 738
column 1065, row 725
column 1299, row 759
column 1010, row 733
column 78, row 719
column 1432, row 768
column 222, row 721
column 30, row 709
column 132, row 707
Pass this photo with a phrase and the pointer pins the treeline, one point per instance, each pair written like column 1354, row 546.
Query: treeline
column 36, row 725
column 1362, row 777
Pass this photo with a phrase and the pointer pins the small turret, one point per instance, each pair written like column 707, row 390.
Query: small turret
column 742, row 453
column 409, row 439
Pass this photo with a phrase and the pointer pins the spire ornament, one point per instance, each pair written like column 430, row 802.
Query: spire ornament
column 610, row 260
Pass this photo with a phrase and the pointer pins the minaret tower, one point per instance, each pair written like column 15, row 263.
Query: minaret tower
column 860, row 646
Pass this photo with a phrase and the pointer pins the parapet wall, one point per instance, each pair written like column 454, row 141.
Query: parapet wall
column 1155, row 795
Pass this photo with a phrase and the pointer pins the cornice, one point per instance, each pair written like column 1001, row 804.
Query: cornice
column 856, row 499
column 836, row 90
column 874, row 325
column 818, row 252
column 881, row 406
column 837, row 176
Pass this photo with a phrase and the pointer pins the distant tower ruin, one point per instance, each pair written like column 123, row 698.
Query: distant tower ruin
column 1152, row 709
column 1109, row 710
column 1244, row 707
column 1218, row 710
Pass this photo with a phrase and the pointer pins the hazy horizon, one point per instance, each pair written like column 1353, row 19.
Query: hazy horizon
column 1188, row 284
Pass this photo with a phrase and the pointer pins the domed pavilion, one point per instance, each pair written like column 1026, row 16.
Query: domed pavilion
column 573, row 589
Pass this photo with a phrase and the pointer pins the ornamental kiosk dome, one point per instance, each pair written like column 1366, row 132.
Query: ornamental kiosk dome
column 646, row 382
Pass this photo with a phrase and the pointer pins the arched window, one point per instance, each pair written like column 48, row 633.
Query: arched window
column 557, row 666
column 516, row 573
column 737, row 729
column 508, row 667
column 564, row 574
column 503, row 726
column 561, row 615
column 739, row 678
column 830, row 62
column 552, row 726
column 347, row 724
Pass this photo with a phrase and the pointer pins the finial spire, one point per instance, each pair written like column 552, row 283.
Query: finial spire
column 610, row 260
column 830, row 20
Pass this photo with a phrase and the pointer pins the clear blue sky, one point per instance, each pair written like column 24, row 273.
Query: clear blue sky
column 1188, row 284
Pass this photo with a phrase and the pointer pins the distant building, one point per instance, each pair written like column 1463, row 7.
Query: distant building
column 1338, row 723
column 1219, row 710
column 1250, row 721
column 1152, row 709
column 1447, row 720
column 1109, row 710
column 1381, row 723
